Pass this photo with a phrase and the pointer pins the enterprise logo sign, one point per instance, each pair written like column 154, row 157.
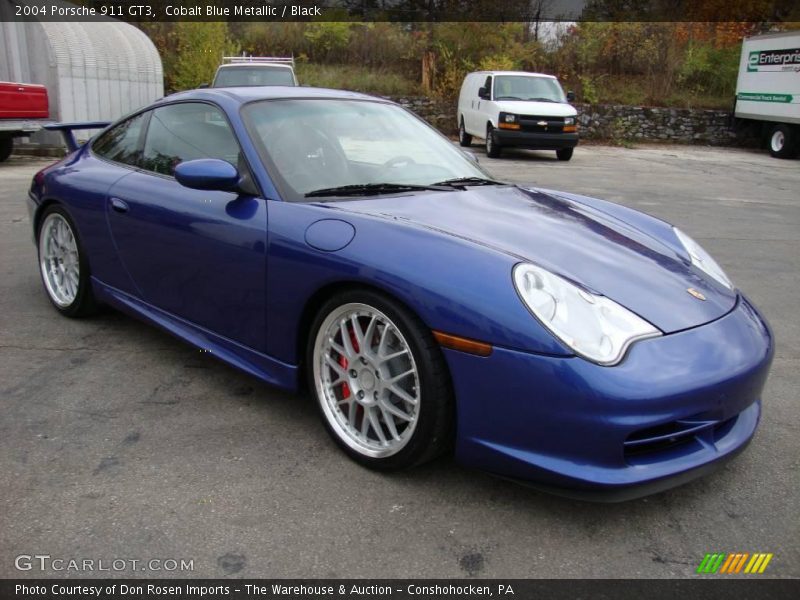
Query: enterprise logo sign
column 774, row 60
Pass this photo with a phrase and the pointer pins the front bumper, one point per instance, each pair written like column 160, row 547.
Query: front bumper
column 676, row 406
column 535, row 140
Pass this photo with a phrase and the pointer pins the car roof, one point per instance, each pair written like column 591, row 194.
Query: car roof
column 242, row 95
column 527, row 73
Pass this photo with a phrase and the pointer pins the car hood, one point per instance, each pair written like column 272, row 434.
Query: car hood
column 586, row 245
column 536, row 109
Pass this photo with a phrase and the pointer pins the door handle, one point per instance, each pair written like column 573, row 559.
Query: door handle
column 119, row 205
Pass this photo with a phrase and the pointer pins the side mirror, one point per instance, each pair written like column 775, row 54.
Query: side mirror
column 202, row 86
column 570, row 96
column 208, row 174
column 483, row 93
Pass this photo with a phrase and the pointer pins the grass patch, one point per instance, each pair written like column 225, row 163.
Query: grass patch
column 381, row 82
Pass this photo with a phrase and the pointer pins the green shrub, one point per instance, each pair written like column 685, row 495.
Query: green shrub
column 328, row 38
column 709, row 70
column 200, row 48
column 497, row 62
column 588, row 90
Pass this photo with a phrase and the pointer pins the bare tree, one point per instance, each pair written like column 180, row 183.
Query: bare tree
column 542, row 9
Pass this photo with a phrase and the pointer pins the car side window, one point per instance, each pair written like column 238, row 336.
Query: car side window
column 122, row 143
column 187, row 131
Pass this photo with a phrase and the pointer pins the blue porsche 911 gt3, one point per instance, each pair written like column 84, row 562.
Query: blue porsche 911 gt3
column 324, row 236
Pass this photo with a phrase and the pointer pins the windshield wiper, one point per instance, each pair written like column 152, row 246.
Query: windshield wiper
column 541, row 100
column 467, row 181
column 507, row 98
column 366, row 189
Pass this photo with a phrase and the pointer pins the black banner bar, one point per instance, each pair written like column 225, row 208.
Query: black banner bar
column 705, row 587
column 141, row 11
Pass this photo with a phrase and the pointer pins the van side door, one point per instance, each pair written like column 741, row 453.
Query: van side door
column 482, row 106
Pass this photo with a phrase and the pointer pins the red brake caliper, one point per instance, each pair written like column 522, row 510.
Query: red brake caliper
column 343, row 361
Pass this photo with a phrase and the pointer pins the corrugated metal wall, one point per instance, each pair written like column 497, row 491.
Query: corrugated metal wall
column 105, row 70
column 93, row 71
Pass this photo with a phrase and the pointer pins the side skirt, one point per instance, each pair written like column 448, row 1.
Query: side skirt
column 261, row 366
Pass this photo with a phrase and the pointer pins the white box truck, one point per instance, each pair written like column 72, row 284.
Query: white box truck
column 768, row 90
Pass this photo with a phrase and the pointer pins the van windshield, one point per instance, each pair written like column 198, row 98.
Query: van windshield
column 253, row 76
column 523, row 87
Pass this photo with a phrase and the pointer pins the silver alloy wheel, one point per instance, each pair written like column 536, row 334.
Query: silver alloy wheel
column 489, row 141
column 58, row 260
column 461, row 132
column 366, row 380
column 777, row 141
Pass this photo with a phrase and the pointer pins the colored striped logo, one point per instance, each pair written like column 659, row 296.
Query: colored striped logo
column 737, row 562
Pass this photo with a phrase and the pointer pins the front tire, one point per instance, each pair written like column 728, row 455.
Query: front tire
column 464, row 139
column 564, row 153
column 63, row 265
column 782, row 142
column 380, row 381
column 492, row 147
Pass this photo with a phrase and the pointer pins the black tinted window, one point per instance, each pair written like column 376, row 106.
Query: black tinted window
column 121, row 143
column 186, row 132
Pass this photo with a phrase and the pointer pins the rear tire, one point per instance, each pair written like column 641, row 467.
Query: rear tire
column 63, row 265
column 782, row 142
column 6, row 147
column 564, row 153
column 493, row 149
column 359, row 342
column 464, row 139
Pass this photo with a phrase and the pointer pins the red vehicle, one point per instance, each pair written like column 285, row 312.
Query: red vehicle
column 23, row 110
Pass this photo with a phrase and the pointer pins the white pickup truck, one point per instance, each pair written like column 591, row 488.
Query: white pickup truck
column 768, row 91
column 244, row 71
column 23, row 111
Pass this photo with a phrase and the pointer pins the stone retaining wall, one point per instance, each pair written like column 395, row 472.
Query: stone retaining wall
column 641, row 123
column 439, row 113
column 611, row 122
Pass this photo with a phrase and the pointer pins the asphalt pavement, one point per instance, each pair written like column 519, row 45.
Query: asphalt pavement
column 118, row 441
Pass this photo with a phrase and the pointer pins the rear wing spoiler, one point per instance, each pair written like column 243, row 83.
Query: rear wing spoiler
column 66, row 130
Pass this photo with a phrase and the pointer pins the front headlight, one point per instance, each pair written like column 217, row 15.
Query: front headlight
column 702, row 259
column 509, row 118
column 569, row 120
column 595, row 327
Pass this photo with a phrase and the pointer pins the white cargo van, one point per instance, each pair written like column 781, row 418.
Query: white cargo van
column 768, row 90
column 517, row 109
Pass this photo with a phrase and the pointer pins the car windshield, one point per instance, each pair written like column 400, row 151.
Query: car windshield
column 253, row 76
column 525, row 87
column 315, row 147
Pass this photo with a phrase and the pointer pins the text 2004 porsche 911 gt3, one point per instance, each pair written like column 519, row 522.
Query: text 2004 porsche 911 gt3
column 294, row 232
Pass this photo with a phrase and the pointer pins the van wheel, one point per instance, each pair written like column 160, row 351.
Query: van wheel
column 564, row 153
column 781, row 141
column 464, row 138
column 492, row 147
